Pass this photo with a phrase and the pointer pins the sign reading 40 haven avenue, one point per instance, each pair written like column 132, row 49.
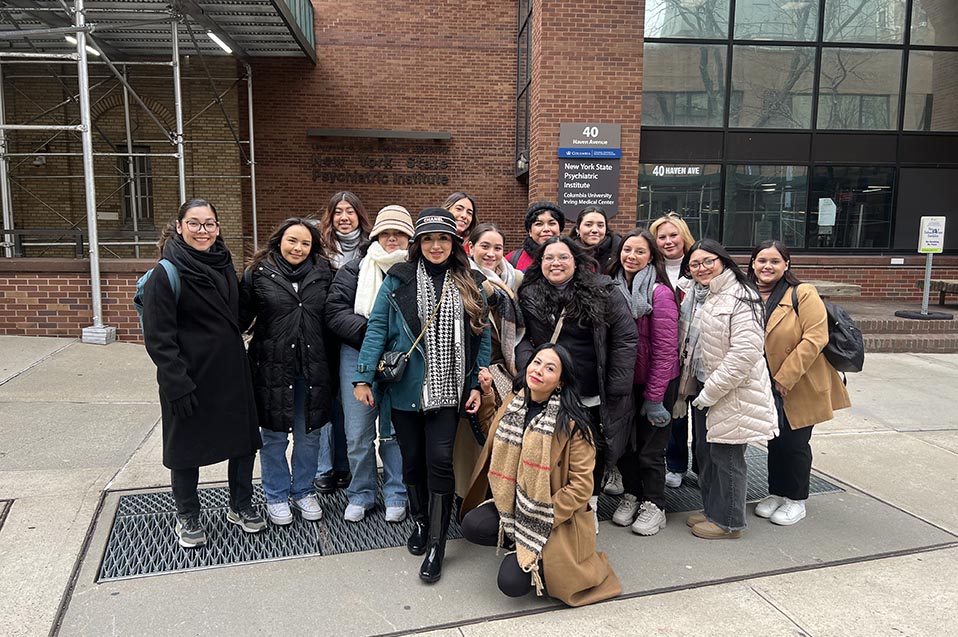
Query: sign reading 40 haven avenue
column 589, row 156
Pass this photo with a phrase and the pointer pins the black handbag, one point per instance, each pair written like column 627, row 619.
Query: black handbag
column 392, row 365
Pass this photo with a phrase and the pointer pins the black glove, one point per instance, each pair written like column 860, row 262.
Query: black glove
column 184, row 405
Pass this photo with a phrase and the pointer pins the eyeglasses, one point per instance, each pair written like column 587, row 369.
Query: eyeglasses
column 551, row 258
column 704, row 263
column 209, row 226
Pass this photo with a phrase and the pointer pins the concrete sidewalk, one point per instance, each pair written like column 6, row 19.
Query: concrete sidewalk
column 78, row 422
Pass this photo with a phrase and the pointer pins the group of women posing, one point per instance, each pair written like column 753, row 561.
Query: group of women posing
column 487, row 405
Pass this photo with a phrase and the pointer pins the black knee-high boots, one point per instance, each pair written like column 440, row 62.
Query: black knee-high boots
column 440, row 510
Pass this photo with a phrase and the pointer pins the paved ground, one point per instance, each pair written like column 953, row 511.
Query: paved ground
column 79, row 422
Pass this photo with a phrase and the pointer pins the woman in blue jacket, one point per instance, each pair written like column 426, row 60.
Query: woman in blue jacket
column 437, row 294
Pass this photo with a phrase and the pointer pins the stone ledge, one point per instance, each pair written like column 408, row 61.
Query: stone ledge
column 53, row 266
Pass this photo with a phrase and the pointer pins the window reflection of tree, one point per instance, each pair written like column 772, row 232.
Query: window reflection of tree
column 843, row 101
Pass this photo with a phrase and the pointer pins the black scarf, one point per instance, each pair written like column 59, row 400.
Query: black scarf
column 775, row 297
column 213, row 268
column 293, row 273
column 530, row 247
column 602, row 251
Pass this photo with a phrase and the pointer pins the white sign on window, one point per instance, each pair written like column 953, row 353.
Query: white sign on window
column 931, row 235
column 826, row 212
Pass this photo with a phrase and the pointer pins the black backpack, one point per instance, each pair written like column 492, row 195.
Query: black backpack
column 845, row 350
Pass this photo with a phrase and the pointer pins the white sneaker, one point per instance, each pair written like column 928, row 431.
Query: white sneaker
column 395, row 514
column 789, row 513
column 279, row 513
column 354, row 513
column 594, row 503
column 625, row 512
column 673, row 479
column 651, row 519
column 768, row 506
column 613, row 483
column 308, row 507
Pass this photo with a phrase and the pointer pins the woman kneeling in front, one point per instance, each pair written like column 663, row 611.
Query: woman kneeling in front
column 537, row 463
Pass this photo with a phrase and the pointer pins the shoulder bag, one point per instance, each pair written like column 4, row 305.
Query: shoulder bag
column 392, row 365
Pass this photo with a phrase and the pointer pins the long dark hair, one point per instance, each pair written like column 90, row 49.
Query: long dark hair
column 752, row 297
column 456, row 196
column 782, row 249
column 461, row 272
column 656, row 260
column 574, row 233
column 330, row 243
column 573, row 416
column 585, row 298
column 273, row 243
column 169, row 230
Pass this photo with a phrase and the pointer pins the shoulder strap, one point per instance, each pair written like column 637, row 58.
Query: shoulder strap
column 795, row 298
column 514, row 257
column 558, row 329
column 433, row 316
column 174, row 276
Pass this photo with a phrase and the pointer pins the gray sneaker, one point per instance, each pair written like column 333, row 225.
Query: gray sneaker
column 247, row 519
column 189, row 533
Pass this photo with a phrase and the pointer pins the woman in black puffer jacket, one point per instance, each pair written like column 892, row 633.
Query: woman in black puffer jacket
column 284, row 290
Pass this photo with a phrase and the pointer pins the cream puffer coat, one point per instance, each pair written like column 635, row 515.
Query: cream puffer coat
column 738, row 391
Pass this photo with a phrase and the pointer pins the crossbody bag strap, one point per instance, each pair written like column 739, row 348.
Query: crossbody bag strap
column 558, row 329
column 433, row 316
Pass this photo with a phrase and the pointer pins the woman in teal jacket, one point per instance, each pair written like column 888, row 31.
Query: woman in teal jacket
column 438, row 290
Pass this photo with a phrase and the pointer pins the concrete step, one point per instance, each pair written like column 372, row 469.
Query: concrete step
column 939, row 343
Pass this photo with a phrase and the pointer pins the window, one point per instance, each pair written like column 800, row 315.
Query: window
column 686, row 18
column 934, row 22
column 851, row 207
column 768, row 80
column 776, row 20
column 931, row 99
column 683, row 85
column 865, row 21
column 523, row 83
column 765, row 202
column 859, row 89
column 142, row 185
column 690, row 190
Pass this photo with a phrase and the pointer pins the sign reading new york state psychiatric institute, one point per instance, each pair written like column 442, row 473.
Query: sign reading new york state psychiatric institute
column 589, row 156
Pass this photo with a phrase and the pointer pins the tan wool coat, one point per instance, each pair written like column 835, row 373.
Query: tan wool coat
column 575, row 573
column 793, row 347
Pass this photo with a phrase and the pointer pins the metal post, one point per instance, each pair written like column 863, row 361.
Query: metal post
column 252, row 153
column 178, row 103
column 98, row 333
column 8, row 239
column 927, row 291
column 131, row 171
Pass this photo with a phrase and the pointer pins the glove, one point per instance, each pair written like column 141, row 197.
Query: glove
column 184, row 405
column 656, row 412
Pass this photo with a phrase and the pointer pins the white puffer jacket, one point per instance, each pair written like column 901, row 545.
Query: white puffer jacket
column 738, row 391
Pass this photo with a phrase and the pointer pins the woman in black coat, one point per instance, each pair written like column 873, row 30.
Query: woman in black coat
column 597, row 329
column 206, row 394
column 284, row 291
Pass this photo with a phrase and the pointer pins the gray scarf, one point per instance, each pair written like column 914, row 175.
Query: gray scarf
column 444, row 342
column 639, row 297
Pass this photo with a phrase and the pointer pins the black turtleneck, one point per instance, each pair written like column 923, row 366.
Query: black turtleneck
column 437, row 272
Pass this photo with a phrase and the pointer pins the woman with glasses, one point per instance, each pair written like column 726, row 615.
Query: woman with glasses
column 673, row 238
column 725, row 377
column 564, row 301
column 206, row 393
column 592, row 231
column 807, row 389
column 431, row 306
column 284, row 291
column 543, row 221
column 463, row 208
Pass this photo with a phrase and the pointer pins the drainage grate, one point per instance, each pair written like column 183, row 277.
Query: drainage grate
column 142, row 541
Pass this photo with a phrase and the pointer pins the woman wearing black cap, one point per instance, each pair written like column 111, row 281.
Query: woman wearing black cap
column 437, row 296
column 544, row 220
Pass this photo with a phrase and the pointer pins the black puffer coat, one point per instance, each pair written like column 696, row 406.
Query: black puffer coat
column 287, row 342
column 341, row 317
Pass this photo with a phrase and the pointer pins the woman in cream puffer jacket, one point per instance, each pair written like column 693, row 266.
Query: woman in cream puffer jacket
column 722, row 339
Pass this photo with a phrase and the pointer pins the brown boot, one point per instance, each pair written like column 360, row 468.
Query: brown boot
column 695, row 518
column 711, row 531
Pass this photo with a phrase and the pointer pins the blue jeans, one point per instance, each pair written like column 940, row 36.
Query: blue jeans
column 360, row 425
column 332, row 444
column 276, row 473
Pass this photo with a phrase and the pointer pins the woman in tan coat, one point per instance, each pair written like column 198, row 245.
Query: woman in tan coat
column 807, row 388
column 537, row 464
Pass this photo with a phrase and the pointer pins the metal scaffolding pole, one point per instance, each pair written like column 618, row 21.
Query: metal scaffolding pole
column 98, row 333
column 131, row 170
column 8, row 239
column 178, row 103
column 252, row 153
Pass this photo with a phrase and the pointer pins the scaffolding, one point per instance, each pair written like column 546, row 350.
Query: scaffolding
column 80, row 31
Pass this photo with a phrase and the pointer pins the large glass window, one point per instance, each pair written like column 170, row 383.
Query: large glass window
column 775, row 85
column 859, row 89
column 934, row 22
column 692, row 191
column 765, row 202
column 776, row 20
column 683, row 85
column 686, row 18
column 865, row 21
column 931, row 100
column 851, row 207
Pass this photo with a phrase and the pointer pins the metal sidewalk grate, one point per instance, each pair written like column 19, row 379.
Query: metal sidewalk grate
column 142, row 541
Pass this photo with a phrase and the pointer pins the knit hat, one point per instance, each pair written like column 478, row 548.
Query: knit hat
column 393, row 217
column 541, row 207
column 435, row 220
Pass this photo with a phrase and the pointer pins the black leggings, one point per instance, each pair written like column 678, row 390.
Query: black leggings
column 481, row 526
column 240, row 475
column 426, row 441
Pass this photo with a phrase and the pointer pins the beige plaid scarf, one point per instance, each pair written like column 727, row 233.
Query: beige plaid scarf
column 519, row 475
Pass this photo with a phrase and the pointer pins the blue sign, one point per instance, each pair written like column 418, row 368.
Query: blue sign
column 605, row 153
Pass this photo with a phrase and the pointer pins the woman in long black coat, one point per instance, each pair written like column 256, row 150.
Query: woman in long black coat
column 206, row 394
column 284, row 290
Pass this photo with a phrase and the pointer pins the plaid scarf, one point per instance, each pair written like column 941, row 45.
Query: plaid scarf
column 519, row 476
column 444, row 342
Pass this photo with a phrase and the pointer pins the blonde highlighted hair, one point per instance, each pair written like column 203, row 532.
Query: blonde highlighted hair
column 679, row 224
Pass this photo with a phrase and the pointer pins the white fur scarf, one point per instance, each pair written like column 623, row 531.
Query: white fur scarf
column 372, row 271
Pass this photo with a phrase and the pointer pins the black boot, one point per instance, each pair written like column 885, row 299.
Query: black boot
column 440, row 508
column 419, row 512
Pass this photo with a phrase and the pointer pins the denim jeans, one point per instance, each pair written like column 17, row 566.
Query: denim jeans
column 332, row 444
column 722, row 477
column 276, row 473
column 677, row 449
column 360, row 425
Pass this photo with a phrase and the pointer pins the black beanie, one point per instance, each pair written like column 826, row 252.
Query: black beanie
column 538, row 208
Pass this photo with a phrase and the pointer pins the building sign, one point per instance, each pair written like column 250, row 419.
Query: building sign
column 827, row 211
column 347, row 163
column 931, row 235
column 677, row 171
column 589, row 167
